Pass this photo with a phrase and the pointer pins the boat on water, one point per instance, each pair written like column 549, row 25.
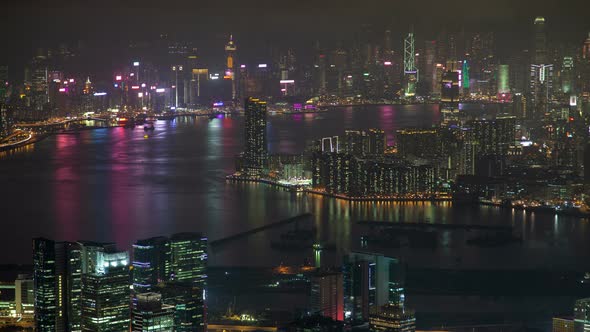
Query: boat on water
column 166, row 116
column 148, row 125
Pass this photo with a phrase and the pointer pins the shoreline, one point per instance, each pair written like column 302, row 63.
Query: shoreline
column 300, row 189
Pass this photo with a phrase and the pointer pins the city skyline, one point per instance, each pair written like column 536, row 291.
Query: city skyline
column 301, row 166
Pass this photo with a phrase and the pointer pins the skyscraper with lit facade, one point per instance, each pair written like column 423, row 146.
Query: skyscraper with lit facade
column 189, row 258
column 105, row 290
column 541, row 71
column 327, row 295
column 391, row 318
column 150, row 315
column 255, row 154
column 57, row 283
column 151, row 263
column 582, row 315
column 371, row 280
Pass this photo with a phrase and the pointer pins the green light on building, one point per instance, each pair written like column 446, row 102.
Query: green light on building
column 465, row 73
column 503, row 79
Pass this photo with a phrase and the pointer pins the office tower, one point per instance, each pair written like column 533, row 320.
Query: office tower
column 540, row 41
column 503, row 79
column 563, row 324
column 429, row 71
column 188, row 302
column 377, row 142
column 466, row 76
column 189, row 258
column 45, row 281
column 105, row 289
column 371, row 280
column 586, row 48
column 24, row 296
column 494, row 136
column 57, row 284
column 449, row 94
column 519, row 105
column 151, row 263
column 150, row 315
column 582, row 315
column 327, row 295
column 567, row 76
column 255, row 154
column 391, row 318
column 230, row 50
column 410, row 70
column 541, row 71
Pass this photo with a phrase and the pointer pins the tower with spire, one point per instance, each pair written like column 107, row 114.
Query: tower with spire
column 230, row 51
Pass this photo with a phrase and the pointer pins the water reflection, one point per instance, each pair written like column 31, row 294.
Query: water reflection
column 116, row 185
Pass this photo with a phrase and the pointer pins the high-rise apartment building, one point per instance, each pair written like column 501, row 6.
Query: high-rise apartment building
column 255, row 154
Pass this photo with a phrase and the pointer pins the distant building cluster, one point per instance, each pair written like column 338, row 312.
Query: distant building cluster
column 165, row 74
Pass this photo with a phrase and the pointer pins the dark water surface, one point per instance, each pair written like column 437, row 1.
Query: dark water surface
column 116, row 185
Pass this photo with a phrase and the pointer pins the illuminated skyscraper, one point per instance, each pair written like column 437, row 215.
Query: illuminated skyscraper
column 151, row 316
column 541, row 71
column 567, row 75
column 503, row 83
column 189, row 258
column 563, row 324
column 582, row 315
column 586, row 48
column 540, row 43
column 151, row 263
column 105, row 289
column 327, row 295
column 371, row 280
column 494, row 136
column 57, row 283
column 6, row 121
column 449, row 94
column 24, row 296
column 230, row 50
column 255, row 154
column 410, row 70
column 391, row 318
column 188, row 302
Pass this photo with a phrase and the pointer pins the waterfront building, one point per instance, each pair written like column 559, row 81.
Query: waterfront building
column 150, row 315
column 105, row 289
column 327, row 297
column 392, row 318
column 255, row 153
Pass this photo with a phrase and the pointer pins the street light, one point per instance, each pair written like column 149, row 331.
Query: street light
column 176, row 69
